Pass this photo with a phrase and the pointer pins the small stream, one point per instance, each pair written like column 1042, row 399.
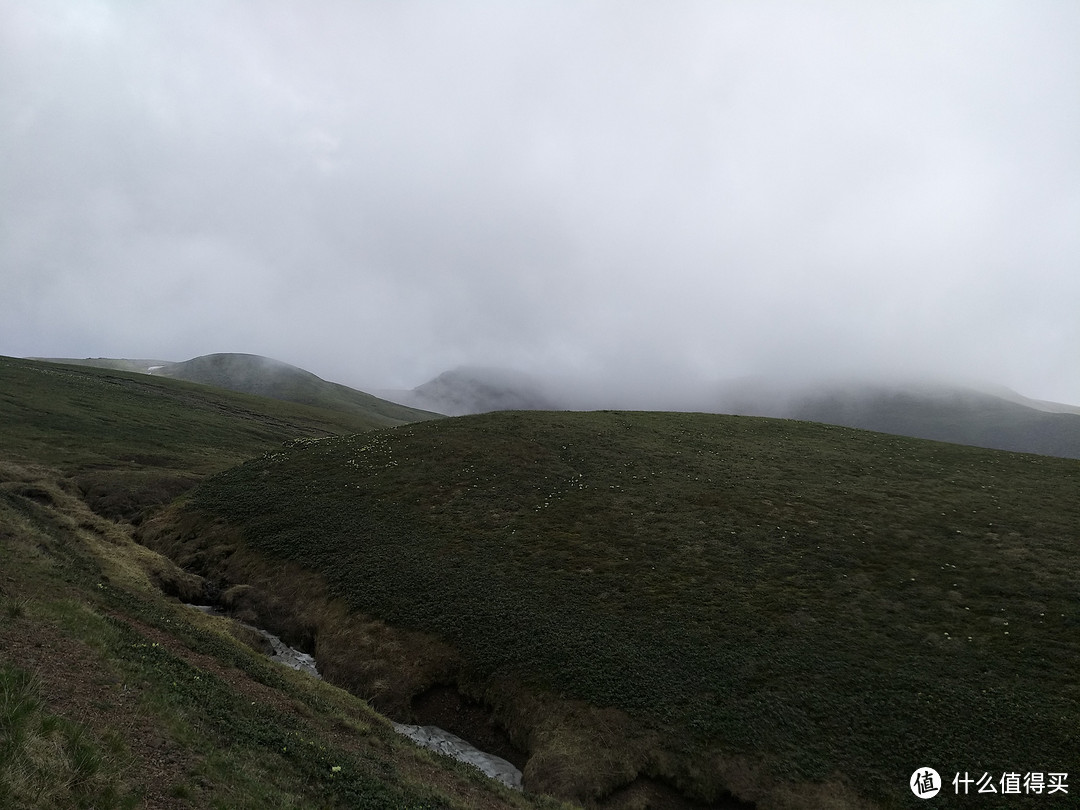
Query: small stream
column 283, row 653
column 430, row 737
column 445, row 743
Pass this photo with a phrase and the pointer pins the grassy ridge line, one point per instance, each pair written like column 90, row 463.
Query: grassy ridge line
column 265, row 377
column 253, row 374
column 74, row 415
column 131, row 442
column 806, row 593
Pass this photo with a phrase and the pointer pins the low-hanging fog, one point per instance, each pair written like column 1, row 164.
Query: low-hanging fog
column 638, row 194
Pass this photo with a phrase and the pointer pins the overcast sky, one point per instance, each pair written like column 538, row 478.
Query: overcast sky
column 640, row 191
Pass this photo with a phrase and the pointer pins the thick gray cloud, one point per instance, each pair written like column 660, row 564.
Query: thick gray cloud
column 638, row 192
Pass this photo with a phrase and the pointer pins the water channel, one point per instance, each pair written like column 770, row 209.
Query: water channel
column 430, row 737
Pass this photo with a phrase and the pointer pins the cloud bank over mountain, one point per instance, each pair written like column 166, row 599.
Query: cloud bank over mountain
column 632, row 194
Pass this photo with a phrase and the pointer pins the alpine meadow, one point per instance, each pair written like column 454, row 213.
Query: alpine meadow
column 774, row 610
column 539, row 405
column 637, row 609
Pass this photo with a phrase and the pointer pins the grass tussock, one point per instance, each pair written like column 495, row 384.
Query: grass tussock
column 47, row 761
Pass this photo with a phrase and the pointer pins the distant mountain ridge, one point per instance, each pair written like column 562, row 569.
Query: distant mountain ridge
column 942, row 413
column 991, row 417
column 475, row 389
column 265, row 377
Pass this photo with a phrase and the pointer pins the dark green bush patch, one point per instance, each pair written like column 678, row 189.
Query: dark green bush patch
column 833, row 600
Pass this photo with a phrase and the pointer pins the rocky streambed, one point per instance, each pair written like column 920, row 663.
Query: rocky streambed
column 443, row 742
column 430, row 737
column 282, row 652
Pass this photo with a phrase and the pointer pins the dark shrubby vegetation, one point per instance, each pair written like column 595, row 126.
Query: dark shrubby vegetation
column 832, row 600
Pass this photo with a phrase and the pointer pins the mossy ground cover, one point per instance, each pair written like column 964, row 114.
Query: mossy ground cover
column 836, row 602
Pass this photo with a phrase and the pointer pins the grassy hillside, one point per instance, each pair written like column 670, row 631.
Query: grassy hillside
column 112, row 696
column 78, row 414
column 126, row 436
column 252, row 374
column 142, row 366
column 820, row 604
column 266, row 377
column 112, row 693
column 996, row 418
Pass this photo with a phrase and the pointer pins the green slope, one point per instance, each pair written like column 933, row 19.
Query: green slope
column 117, row 364
column 74, row 416
column 266, row 377
column 113, row 694
column 831, row 603
column 132, row 441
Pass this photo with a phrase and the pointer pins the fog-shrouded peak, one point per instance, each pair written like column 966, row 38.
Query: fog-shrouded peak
column 479, row 389
column 974, row 413
column 650, row 196
column 235, row 365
